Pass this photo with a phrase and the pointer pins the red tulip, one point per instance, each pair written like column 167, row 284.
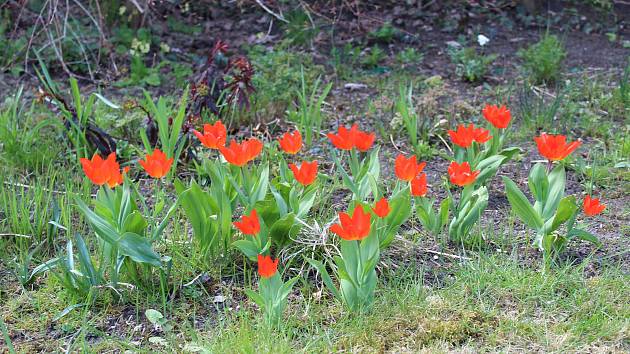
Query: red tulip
column 156, row 164
column 592, row 207
column 555, row 147
column 249, row 225
column 291, row 143
column 213, row 136
column 353, row 228
column 354, row 138
column 240, row 154
column 461, row 175
column 101, row 171
column 267, row 267
column 419, row 185
column 481, row 135
column 407, row 168
column 306, row 173
column 464, row 136
column 498, row 116
column 381, row 208
column 117, row 177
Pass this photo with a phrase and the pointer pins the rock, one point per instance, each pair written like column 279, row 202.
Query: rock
column 354, row 86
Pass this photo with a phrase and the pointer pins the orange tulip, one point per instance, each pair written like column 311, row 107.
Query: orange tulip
column 249, row 225
column 353, row 228
column 498, row 116
column 267, row 267
column 381, row 208
column 461, row 175
column 291, row 143
column 407, row 168
column 240, row 154
column 156, row 164
column 481, row 135
column 592, row 207
column 117, row 177
column 306, row 173
column 354, row 138
column 101, row 171
column 555, row 147
column 464, row 136
column 214, row 136
column 419, row 185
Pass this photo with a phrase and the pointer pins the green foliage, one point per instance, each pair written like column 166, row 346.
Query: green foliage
column 308, row 113
column 409, row 56
column 299, row 30
column 278, row 76
column 470, row 65
column 375, row 56
column 542, row 61
column 384, row 34
column 344, row 59
column 11, row 49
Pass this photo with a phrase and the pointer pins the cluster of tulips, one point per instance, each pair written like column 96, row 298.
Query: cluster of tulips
column 271, row 208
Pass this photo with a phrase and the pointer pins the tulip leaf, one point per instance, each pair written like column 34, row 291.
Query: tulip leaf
column 282, row 230
column 584, row 235
column 521, row 206
column 566, row 210
column 254, row 296
column 557, row 182
column 138, row 249
column 101, row 227
column 249, row 248
column 488, row 167
column 538, row 183
column 321, row 269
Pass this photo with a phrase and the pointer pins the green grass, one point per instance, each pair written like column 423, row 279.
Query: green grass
column 488, row 303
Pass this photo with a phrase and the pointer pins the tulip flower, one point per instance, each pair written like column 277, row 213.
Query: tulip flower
column 381, row 208
column 419, row 185
column 249, row 225
column 464, row 136
column 355, row 227
column 101, row 171
column 267, row 267
column 481, row 135
column 592, row 207
column 156, row 164
column 407, row 168
column 461, row 175
column 240, row 154
column 354, row 138
column 291, row 143
column 214, row 136
column 499, row 117
column 306, row 173
column 117, row 177
column 555, row 147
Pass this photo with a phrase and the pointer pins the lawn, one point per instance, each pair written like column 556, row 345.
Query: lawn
column 280, row 177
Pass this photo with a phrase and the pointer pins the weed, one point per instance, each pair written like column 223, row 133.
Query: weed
column 470, row 65
column 308, row 113
column 542, row 61
column 384, row 34
column 300, row 29
column 373, row 58
column 409, row 56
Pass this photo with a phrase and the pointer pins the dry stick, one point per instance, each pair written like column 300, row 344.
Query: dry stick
column 268, row 10
column 17, row 235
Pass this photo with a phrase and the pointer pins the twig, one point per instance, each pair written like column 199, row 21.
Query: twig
column 445, row 254
column 17, row 235
column 29, row 187
column 268, row 10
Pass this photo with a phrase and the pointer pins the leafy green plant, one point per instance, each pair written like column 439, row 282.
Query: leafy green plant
column 374, row 57
column 409, row 55
column 542, row 61
column 384, row 34
column 550, row 211
column 169, row 127
column 299, row 29
column 470, row 65
column 308, row 113
column 344, row 59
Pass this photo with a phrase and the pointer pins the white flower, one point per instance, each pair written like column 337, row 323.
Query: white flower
column 482, row 40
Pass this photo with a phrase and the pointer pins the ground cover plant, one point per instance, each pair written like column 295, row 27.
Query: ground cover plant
column 300, row 177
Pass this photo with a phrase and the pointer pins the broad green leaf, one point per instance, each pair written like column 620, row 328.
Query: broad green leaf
column 538, row 183
column 566, row 209
column 488, row 168
column 255, row 297
column 282, row 229
column 584, row 235
column 521, row 206
column 557, row 182
column 138, row 249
